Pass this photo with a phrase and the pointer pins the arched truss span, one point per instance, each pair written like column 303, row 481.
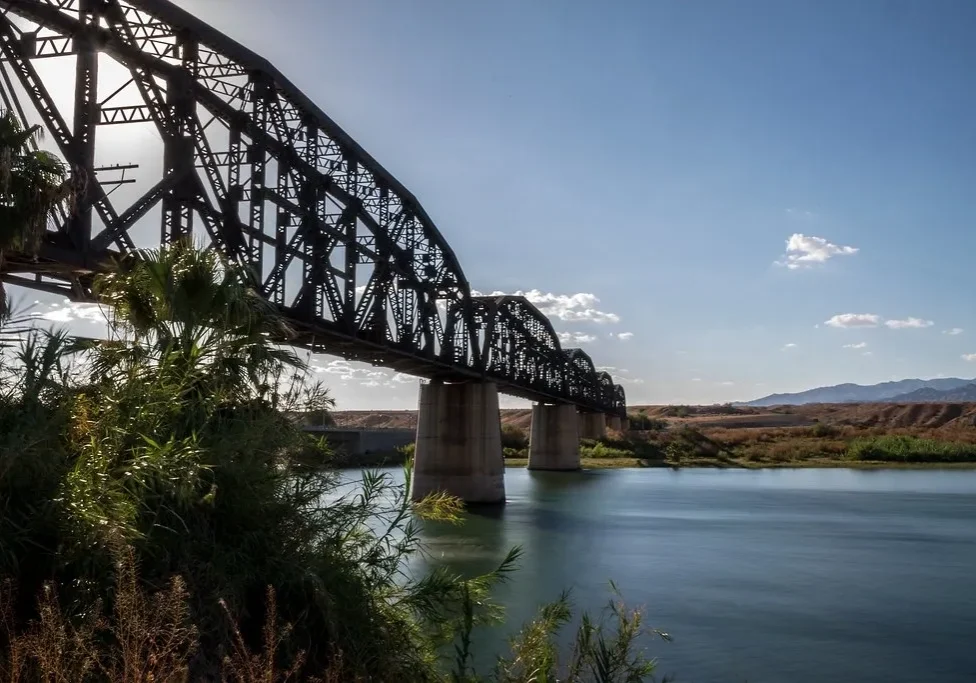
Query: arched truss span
column 583, row 381
column 620, row 400
column 519, row 344
column 246, row 163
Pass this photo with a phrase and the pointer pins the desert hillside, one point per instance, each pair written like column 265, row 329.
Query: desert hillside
column 875, row 415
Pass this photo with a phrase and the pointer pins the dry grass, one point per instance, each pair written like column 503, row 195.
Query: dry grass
column 819, row 445
column 147, row 639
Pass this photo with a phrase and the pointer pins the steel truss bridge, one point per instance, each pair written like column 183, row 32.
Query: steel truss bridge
column 244, row 161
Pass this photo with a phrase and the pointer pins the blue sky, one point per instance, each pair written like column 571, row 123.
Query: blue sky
column 654, row 159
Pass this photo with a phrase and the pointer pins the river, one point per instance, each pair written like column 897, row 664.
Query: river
column 794, row 576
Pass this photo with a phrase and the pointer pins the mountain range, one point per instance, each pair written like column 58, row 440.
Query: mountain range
column 943, row 389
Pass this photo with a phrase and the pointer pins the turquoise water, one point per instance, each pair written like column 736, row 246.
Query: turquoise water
column 780, row 575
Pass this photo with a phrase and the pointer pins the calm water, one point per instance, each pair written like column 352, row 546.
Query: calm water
column 784, row 575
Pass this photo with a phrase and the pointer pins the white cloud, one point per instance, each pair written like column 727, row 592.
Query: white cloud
column 801, row 213
column 625, row 336
column 787, row 347
column 575, row 338
column 727, row 384
column 806, row 251
column 854, row 320
column 954, row 331
column 868, row 353
column 971, row 357
column 346, row 372
column 579, row 307
column 72, row 311
column 696, row 379
column 859, row 345
column 908, row 323
column 629, row 380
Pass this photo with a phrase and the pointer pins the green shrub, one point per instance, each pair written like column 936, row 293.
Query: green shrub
column 897, row 448
column 677, row 411
column 514, row 437
column 642, row 422
column 172, row 440
column 169, row 458
column 600, row 450
column 822, row 431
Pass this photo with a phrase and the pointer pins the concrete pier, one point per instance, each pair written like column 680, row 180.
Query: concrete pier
column 554, row 441
column 592, row 425
column 614, row 422
column 459, row 444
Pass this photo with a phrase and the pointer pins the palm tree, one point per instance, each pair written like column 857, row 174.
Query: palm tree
column 33, row 185
column 195, row 314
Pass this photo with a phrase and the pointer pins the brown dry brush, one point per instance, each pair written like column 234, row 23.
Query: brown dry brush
column 147, row 639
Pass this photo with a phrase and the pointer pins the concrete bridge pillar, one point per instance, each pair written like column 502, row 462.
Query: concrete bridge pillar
column 614, row 422
column 554, row 441
column 459, row 443
column 592, row 425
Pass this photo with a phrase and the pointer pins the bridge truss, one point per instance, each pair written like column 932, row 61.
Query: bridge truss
column 241, row 159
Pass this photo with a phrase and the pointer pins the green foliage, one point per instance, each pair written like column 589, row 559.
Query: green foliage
column 599, row 449
column 677, row 411
column 823, row 431
column 607, row 448
column 895, row 448
column 642, row 422
column 171, row 438
column 514, row 438
column 33, row 185
column 172, row 445
column 603, row 650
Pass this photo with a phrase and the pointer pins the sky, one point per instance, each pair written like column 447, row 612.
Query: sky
column 719, row 200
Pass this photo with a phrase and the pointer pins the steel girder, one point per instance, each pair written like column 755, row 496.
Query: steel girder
column 520, row 345
column 252, row 167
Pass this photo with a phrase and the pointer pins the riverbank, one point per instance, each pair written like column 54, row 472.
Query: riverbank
column 705, row 463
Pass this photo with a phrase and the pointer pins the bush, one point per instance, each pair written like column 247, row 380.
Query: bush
column 677, row 411
column 898, row 448
column 514, row 438
column 642, row 422
column 822, row 431
column 172, row 441
column 151, row 494
column 599, row 449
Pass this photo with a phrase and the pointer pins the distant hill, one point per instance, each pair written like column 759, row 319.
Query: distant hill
column 873, row 393
column 963, row 394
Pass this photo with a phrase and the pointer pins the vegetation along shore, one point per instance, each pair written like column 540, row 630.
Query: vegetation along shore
column 874, row 435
